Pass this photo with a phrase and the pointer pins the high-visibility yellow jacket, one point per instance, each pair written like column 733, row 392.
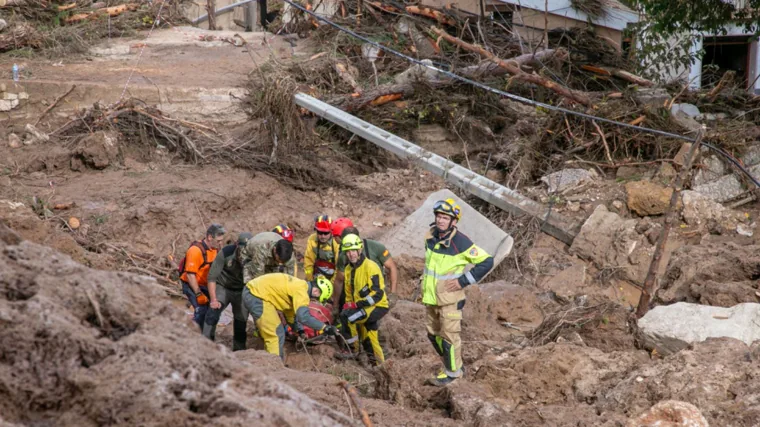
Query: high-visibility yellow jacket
column 364, row 284
column 287, row 294
column 447, row 258
column 320, row 258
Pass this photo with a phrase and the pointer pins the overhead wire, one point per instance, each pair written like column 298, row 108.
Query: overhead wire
column 524, row 100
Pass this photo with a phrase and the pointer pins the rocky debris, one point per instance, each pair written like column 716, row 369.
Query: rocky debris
column 475, row 404
column 14, row 141
column 719, row 376
column 566, row 180
column 34, row 135
column 712, row 169
column 632, row 173
column 608, row 240
column 568, row 282
column 98, row 151
column 422, row 43
column 722, row 189
column 3, row 24
column 665, row 173
column 647, row 198
column 9, row 104
column 653, row 97
column 669, row 329
column 752, row 156
column 720, row 274
column 670, row 413
column 418, row 73
column 699, row 210
column 680, row 157
column 115, row 350
column 685, row 115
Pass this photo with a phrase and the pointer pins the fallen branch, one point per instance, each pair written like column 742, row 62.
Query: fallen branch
column 354, row 395
column 515, row 71
column 625, row 75
column 57, row 100
column 430, row 13
column 373, row 97
column 654, row 267
column 725, row 80
column 604, row 141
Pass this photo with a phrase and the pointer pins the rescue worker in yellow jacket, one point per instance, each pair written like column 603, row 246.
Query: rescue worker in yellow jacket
column 366, row 300
column 447, row 254
column 321, row 255
column 265, row 295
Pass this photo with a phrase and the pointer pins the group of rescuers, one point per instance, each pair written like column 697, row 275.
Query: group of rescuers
column 257, row 275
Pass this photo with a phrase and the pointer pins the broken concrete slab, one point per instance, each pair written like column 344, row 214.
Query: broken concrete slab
column 408, row 237
column 723, row 189
column 607, row 240
column 567, row 179
column 669, row 329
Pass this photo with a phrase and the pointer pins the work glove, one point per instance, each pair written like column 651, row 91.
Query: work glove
column 330, row 331
column 349, row 306
column 201, row 298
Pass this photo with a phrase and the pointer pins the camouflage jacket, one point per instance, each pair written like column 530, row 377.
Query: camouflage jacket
column 258, row 260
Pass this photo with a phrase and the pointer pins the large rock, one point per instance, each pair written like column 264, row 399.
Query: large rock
column 97, row 151
column 671, row 328
column 718, row 274
column 567, row 179
column 699, row 209
column 483, row 232
column 647, row 198
column 608, row 240
column 713, row 168
column 722, row 189
column 685, row 114
column 670, row 413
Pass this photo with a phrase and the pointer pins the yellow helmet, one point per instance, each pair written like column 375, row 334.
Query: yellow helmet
column 325, row 285
column 448, row 207
column 351, row 242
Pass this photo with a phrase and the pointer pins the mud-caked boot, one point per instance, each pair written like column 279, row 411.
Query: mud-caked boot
column 443, row 379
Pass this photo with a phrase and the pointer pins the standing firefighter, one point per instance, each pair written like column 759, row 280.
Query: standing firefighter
column 267, row 252
column 447, row 253
column 225, row 286
column 321, row 255
column 366, row 301
column 270, row 293
column 193, row 270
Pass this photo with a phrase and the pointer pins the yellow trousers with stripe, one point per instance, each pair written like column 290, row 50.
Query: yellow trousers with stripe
column 366, row 321
column 444, row 324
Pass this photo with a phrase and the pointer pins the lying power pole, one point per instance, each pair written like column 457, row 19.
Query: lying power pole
column 552, row 223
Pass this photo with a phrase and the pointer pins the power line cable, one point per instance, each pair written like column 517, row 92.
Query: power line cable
column 524, row 100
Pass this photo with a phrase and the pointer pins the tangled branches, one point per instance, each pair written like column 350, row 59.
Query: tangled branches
column 572, row 315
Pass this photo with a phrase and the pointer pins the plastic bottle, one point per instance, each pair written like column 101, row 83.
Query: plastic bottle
column 15, row 72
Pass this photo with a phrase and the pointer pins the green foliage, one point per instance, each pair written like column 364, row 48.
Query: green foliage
column 667, row 35
column 710, row 16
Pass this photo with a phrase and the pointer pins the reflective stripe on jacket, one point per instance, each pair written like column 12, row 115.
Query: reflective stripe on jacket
column 447, row 259
column 320, row 258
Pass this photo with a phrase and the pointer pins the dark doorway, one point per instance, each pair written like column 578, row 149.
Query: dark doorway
column 723, row 54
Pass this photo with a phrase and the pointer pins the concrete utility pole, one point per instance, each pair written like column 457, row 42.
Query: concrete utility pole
column 498, row 195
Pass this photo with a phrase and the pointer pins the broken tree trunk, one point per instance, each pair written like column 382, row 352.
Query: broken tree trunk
column 211, row 10
column 351, row 103
column 515, row 71
column 489, row 68
column 625, row 75
column 725, row 80
column 650, row 283
column 354, row 102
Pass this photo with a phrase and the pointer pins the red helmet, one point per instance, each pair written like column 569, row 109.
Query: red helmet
column 339, row 225
column 284, row 231
column 322, row 223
